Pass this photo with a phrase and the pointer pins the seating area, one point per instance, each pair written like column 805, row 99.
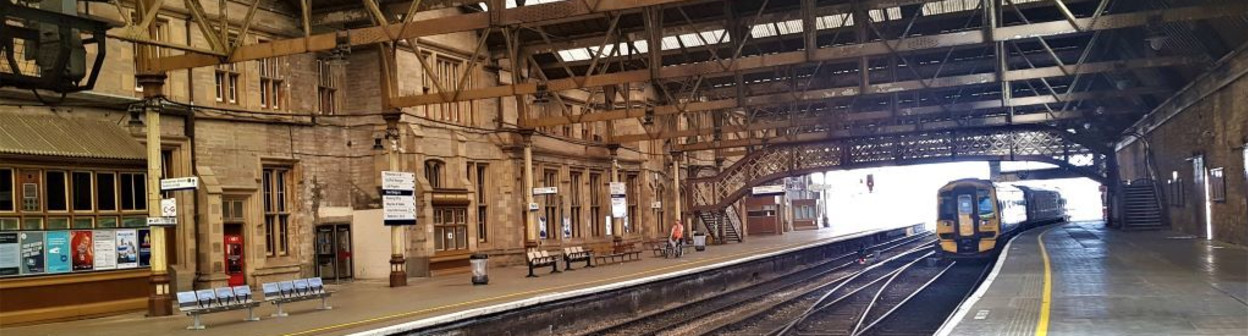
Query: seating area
column 620, row 252
column 536, row 259
column 208, row 301
column 577, row 254
column 283, row 292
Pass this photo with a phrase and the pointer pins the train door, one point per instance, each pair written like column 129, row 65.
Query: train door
column 234, row 259
column 966, row 229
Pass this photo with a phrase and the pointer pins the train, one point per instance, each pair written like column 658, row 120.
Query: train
column 976, row 216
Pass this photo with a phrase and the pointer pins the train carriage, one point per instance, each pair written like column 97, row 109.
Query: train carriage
column 975, row 215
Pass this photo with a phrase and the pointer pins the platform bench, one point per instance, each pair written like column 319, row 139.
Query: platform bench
column 576, row 254
column 621, row 252
column 208, row 301
column 279, row 293
column 541, row 259
column 659, row 248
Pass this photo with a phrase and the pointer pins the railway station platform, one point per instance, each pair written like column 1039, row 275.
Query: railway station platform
column 361, row 306
column 1099, row 281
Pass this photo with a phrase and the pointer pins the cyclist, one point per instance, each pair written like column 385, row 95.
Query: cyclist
column 675, row 239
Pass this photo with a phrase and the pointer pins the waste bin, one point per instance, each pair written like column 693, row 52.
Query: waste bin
column 480, row 262
column 699, row 241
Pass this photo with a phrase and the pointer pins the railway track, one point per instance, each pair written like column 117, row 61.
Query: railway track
column 701, row 316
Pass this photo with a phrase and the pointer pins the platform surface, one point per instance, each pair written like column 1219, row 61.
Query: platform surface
column 1109, row 282
column 365, row 305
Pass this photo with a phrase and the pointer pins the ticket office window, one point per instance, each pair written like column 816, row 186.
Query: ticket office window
column 450, row 228
column 55, row 199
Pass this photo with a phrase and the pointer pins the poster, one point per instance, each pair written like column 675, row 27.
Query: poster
column 105, row 250
column 32, row 252
column 127, row 249
column 567, row 227
column 9, row 258
column 608, row 225
column 541, row 227
column 83, row 250
column 619, row 207
column 145, row 247
column 57, row 251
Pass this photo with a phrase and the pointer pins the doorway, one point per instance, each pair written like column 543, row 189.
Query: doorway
column 1200, row 179
column 235, row 249
column 333, row 252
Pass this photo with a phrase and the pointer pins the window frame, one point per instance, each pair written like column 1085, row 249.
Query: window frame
column 277, row 207
column 47, row 195
column 13, row 195
column 480, row 172
column 1217, row 184
column 434, row 169
column 574, row 193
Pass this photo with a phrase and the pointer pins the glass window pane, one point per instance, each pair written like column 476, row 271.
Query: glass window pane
column 7, row 202
column 268, row 235
column 32, row 224
column 134, row 222
column 83, row 193
column 437, row 244
column 127, row 192
column 54, row 187
column 283, row 234
column 281, row 191
column 106, row 222
column 58, row 223
column 9, row 224
column 266, row 184
column 105, row 192
column 140, row 191
column 84, row 222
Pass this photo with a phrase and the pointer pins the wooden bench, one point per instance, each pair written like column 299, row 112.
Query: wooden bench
column 283, row 292
column 620, row 252
column 576, row 254
column 208, row 301
column 658, row 247
column 541, row 259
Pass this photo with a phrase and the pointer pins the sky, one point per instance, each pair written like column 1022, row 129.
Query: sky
column 907, row 194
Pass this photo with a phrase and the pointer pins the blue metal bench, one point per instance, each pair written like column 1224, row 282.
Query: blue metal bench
column 208, row 301
column 279, row 293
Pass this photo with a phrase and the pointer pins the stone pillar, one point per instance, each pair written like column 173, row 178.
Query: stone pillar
column 160, row 297
column 530, row 223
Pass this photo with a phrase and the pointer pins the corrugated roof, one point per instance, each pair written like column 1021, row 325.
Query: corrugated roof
column 66, row 137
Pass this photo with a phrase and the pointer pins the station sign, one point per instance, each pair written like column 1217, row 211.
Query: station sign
column 181, row 183
column 545, row 190
column 162, row 221
column 398, row 198
column 617, row 188
column 767, row 190
column 656, row 205
column 392, row 180
column 168, row 207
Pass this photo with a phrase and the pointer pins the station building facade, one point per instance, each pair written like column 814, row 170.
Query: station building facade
column 285, row 150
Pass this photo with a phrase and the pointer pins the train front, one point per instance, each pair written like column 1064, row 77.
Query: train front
column 967, row 225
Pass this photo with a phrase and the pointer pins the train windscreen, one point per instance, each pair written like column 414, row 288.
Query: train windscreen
column 947, row 206
column 985, row 204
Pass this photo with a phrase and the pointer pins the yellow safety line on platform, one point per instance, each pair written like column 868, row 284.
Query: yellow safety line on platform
column 543, row 290
column 1046, row 296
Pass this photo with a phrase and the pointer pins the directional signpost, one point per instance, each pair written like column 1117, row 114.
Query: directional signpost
column 398, row 198
column 169, row 206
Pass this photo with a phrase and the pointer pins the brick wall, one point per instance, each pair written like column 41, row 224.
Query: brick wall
column 1214, row 126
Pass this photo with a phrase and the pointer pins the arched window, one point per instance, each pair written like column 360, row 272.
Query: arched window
column 433, row 172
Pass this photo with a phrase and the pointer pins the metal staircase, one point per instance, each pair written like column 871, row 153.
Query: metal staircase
column 726, row 219
column 1142, row 207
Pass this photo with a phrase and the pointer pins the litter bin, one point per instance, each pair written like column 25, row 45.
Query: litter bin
column 480, row 262
column 699, row 241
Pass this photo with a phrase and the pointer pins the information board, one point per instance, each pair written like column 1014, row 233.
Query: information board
column 10, row 256
column 57, row 251
column 83, row 250
column 32, row 252
column 127, row 249
column 105, row 245
column 398, row 198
